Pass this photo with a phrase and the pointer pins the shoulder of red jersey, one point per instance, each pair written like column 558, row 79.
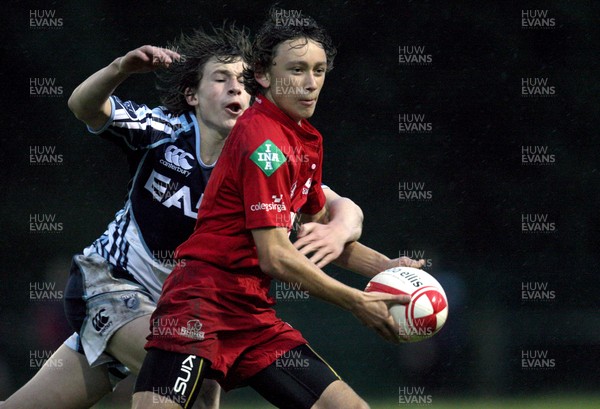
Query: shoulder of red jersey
column 254, row 128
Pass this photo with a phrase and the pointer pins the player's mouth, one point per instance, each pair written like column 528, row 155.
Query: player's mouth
column 308, row 102
column 235, row 108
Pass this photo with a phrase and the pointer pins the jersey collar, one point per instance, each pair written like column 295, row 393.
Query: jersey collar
column 306, row 130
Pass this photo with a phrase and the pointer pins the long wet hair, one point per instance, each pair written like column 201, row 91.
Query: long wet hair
column 227, row 44
column 274, row 32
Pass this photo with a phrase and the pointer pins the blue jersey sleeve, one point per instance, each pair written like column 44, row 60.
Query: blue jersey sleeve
column 136, row 126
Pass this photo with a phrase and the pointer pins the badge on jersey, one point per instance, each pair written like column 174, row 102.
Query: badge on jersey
column 268, row 157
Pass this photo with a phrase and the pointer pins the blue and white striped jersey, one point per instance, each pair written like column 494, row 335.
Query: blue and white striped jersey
column 168, row 180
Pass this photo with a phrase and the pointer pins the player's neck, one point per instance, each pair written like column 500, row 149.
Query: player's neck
column 211, row 143
column 269, row 96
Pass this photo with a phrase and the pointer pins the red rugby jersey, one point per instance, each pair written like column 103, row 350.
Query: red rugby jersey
column 270, row 167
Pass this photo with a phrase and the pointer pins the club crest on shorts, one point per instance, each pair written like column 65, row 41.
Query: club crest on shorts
column 192, row 330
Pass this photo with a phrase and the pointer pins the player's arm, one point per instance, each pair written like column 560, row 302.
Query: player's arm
column 365, row 261
column 323, row 237
column 353, row 256
column 279, row 259
column 344, row 215
column 336, row 240
column 90, row 100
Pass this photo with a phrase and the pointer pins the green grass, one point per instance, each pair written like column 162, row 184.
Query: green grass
column 529, row 402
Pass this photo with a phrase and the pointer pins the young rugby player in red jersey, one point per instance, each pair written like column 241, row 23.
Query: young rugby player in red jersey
column 117, row 280
column 214, row 318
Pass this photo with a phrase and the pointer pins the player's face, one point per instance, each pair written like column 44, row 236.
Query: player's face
column 220, row 98
column 295, row 78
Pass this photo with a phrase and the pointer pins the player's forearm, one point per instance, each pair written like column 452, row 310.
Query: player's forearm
column 279, row 259
column 90, row 99
column 363, row 260
column 343, row 213
column 347, row 217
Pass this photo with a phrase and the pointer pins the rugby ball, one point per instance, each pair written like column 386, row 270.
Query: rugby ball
column 427, row 311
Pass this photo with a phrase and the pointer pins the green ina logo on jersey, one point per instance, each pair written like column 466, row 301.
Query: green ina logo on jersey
column 268, row 157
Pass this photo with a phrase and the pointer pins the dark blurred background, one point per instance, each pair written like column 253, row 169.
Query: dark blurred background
column 475, row 121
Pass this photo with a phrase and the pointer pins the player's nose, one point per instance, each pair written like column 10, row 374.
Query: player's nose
column 235, row 87
column 310, row 82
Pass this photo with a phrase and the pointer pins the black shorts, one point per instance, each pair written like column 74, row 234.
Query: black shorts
column 295, row 380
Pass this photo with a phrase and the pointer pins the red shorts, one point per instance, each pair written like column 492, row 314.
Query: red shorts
column 226, row 318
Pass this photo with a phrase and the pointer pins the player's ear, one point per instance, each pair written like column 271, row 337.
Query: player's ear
column 190, row 96
column 263, row 78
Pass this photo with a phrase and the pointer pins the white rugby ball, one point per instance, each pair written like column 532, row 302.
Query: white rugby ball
column 427, row 311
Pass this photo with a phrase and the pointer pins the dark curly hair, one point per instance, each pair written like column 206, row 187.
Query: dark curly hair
column 275, row 31
column 227, row 44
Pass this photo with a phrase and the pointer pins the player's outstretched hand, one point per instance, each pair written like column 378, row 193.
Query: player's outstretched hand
column 373, row 311
column 323, row 242
column 147, row 58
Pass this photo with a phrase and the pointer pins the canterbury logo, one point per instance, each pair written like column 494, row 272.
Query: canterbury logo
column 178, row 157
column 100, row 320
